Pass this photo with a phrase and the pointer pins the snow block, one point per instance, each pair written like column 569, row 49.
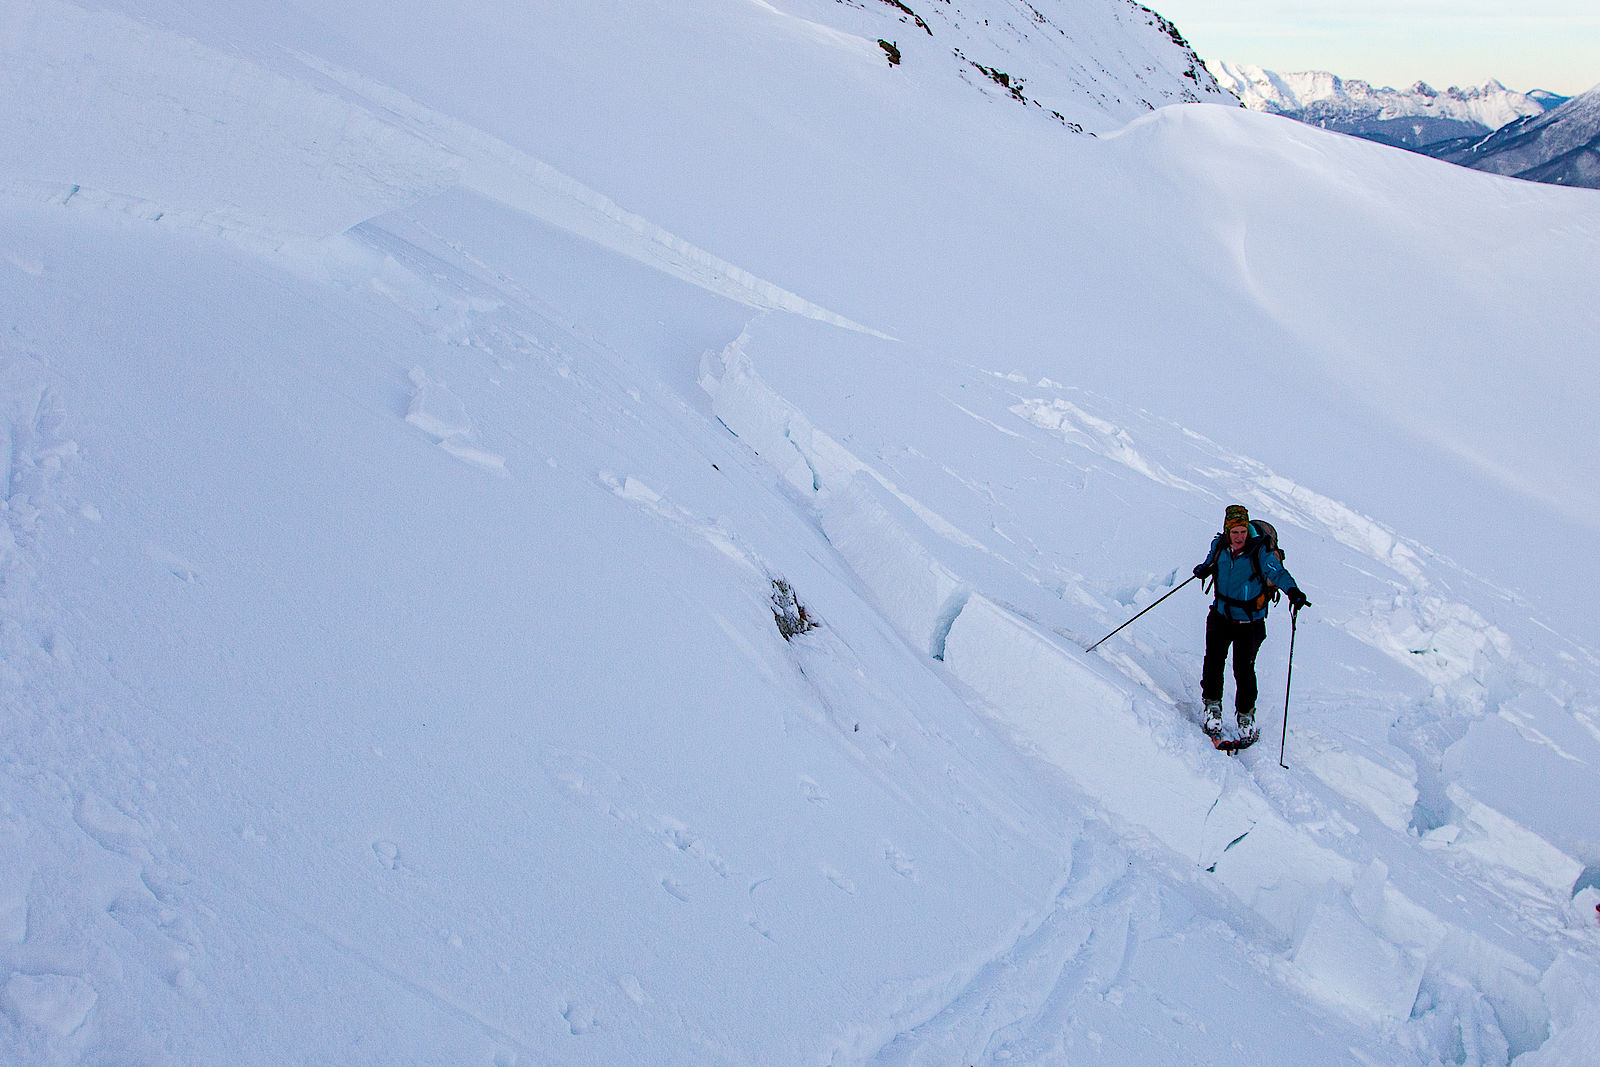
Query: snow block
column 500, row 172
column 1381, row 780
column 1533, row 748
column 440, row 414
column 435, row 410
column 475, row 456
column 1494, row 838
column 1080, row 721
column 913, row 589
column 1137, row 763
column 772, row 427
column 1346, row 962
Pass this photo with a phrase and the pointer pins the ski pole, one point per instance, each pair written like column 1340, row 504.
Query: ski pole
column 1131, row 621
column 1294, row 621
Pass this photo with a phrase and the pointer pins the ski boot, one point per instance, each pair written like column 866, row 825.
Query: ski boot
column 1247, row 725
column 1213, row 723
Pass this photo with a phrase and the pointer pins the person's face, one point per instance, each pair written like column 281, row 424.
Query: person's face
column 1237, row 536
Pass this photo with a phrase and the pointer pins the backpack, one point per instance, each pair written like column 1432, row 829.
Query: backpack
column 1263, row 538
column 1269, row 543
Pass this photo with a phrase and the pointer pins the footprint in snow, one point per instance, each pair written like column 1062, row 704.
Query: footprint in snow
column 58, row 1003
column 839, row 880
column 900, row 862
column 580, row 1018
column 175, row 564
column 813, row 791
column 110, row 827
column 388, row 854
column 674, row 889
column 16, row 876
column 754, row 922
column 632, row 989
column 686, row 841
column 13, row 917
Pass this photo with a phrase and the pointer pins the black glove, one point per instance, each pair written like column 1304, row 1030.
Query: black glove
column 1297, row 599
column 1202, row 570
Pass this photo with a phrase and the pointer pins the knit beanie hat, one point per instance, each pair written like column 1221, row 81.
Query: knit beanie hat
column 1236, row 515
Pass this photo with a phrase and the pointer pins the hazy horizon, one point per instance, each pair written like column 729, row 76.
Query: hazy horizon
column 1462, row 43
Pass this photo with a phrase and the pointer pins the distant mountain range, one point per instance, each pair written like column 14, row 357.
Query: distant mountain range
column 1559, row 147
column 1537, row 135
column 1410, row 118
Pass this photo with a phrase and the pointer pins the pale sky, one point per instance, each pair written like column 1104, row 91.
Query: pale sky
column 1527, row 44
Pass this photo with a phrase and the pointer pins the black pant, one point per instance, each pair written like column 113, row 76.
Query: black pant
column 1245, row 638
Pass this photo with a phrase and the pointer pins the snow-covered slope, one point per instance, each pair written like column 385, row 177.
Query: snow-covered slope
column 408, row 416
column 1414, row 117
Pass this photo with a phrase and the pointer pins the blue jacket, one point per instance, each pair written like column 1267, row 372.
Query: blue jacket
column 1239, row 593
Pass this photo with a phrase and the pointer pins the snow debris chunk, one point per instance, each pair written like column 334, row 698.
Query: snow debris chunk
column 1584, row 912
column 475, row 456
column 435, row 410
column 1447, row 643
column 440, row 414
column 1104, row 439
column 1571, row 989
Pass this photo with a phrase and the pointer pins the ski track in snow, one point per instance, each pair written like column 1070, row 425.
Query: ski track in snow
column 1016, row 1005
column 42, row 990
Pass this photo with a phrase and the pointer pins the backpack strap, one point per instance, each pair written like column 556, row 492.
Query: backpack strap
column 1259, row 542
column 1253, row 605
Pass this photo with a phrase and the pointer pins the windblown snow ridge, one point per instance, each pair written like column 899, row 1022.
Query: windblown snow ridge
column 225, row 144
column 502, row 173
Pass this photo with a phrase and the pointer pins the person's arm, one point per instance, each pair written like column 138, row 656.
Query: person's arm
column 1209, row 567
column 1273, row 570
